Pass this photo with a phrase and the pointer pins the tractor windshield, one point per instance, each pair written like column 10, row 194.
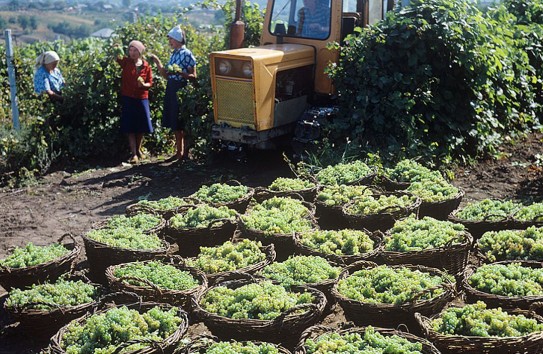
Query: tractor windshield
column 301, row 18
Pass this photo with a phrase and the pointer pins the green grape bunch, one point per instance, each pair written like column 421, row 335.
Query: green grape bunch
column 512, row 244
column 219, row 193
column 234, row 347
column 433, row 190
column 165, row 204
column 371, row 205
column 532, row 212
column 141, row 221
column 408, row 170
column 282, row 184
column 371, row 341
column 228, row 257
column 488, row 209
column 338, row 242
column 201, row 216
column 510, row 280
column 299, row 270
column 126, row 237
column 476, row 320
column 164, row 276
column 343, row 173
column 339, row 195
column 32, row 255
column 412, row 234
column 263, row 301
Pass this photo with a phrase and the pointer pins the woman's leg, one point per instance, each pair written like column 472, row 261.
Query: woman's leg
column 139, row 141
column 179, row 143
column 133, row 147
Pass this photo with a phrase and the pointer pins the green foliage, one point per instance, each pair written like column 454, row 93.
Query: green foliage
column 299, row 270
column 413, row 234
column 32, row 255
column 512, row 244
column 387, row 285
column 262, row 300
column 162, row 275
column 339, row 242
column 370, row 342
column 228, row 256
column 49, row 296
column 436, row 79
column 104, row 332
column 477, row 320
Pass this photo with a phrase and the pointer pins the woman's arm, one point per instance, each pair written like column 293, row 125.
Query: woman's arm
column 161, row 69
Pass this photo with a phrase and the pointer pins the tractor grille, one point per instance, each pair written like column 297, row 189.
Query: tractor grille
column 235, row 102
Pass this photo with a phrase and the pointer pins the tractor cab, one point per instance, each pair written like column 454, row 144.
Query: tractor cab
column 259, row 93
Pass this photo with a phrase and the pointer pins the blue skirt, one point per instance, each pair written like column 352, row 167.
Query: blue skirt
column 135, row 115
column 170, row 115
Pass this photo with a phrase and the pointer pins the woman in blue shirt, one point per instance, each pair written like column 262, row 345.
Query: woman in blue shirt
column 180, row 68
column 48, row 78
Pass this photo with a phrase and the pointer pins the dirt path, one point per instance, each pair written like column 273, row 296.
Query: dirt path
column 65, row 202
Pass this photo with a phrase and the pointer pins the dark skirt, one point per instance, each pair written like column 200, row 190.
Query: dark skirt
column 135, row 115
column 170, row 115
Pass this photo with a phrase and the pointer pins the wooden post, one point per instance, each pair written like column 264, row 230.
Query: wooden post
column 11, row 76
column 237, row 29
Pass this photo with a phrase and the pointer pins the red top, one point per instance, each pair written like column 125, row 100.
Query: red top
column 129, row 78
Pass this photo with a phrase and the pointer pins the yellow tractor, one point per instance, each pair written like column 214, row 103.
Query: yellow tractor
column 280, row 87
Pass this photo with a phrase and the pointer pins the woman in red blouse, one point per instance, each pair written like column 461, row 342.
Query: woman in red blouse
column 136, row 79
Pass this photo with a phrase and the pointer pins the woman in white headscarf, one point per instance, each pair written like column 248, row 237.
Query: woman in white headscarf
column 48, row 78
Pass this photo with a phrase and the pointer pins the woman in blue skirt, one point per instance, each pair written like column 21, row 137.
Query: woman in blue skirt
column 136, row 79
column 180, row 68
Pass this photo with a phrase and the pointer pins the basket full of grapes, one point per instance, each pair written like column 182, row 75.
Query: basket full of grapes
column 212, row 345
column 323, row 339
column 507, row 284
column 42, row 309
column 388, row 296
column 32, row 264
column 350, row 173
column 165, row 207
column 231, row 194
column 528, row 215
column 433, row 243
column 201, row 226
column 285, row 187
column 149, row 223
column 474, row 328
column 236, row 256
column 506, row 245
column 438, row 197
column 380, row 211
column 251, row 308
column 163, row 281
column 344, row 246
column 142, row 328
column 404, row 173
column 486, row 215
column 110, row 246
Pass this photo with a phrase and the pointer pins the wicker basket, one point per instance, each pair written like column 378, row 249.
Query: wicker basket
column 528, row 344
column 441, row 210
column 390, row 315
column 152, row 293
column 190, row 240
column 101, row 256
column 519, row 224
column 308, row 194
column 138, row 208
column 343, row 259
column 392, row 185
column 478, row 228
column 315, row 331
column 492, row 300
column 43, row 323
column 452, row 257
column 166, row 346
column 363, row 181
column 269, row 250
column 284, row 329
column 330, row 217
column 239, row 205
column 383, row 220
column 50, row 271
column 201, row 343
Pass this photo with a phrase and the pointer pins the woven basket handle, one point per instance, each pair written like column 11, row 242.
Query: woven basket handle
column 218, row 221
column 235, row 275
column 535, row 306
column 153, row 343
column 144, row 281
column 67, row 235
column 360, row 264
column 300, row 349
column 30, row 305
column 425, row 291
column 269, row 250
column 197, row 344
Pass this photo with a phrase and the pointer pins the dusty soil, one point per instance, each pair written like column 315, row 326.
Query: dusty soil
column 64, row 202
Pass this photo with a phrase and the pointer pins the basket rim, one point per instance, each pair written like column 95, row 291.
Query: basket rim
column 316, row 331
column 466, row 244
column 455, row 198
column 399, row 212
column 74, row 250
column 102, row 224
column 448, row 286
column 169, row 341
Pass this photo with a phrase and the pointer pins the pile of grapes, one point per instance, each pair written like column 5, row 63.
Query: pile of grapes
column 298, row 270
column 164, row 204
column 512, row 244
column 201, row 216
column 126, row 237
column 283, row 184
column 338, row 195
column 488, row 210
column 338, row 242
column 142, row 221
column 371, row 205
column 220, row 193
column 410, row 171
column 343, row 173
column 508, row 280
column 32, row 255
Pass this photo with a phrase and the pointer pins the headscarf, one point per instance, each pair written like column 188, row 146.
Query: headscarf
column 46, row 58
column 177, row 34
column 138, row 45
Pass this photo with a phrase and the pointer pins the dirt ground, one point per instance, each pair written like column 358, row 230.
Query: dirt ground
column 66, row 202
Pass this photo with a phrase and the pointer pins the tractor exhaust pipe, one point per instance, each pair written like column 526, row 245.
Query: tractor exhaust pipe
column 237, row 29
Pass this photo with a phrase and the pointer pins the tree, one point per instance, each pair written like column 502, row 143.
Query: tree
column 24, row 22
column 33, row 22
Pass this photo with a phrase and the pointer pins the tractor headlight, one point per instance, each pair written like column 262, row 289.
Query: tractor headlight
column 225, row 67
column 247, row 69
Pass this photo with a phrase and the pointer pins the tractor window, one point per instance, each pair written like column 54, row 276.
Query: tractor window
column 301, row 18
